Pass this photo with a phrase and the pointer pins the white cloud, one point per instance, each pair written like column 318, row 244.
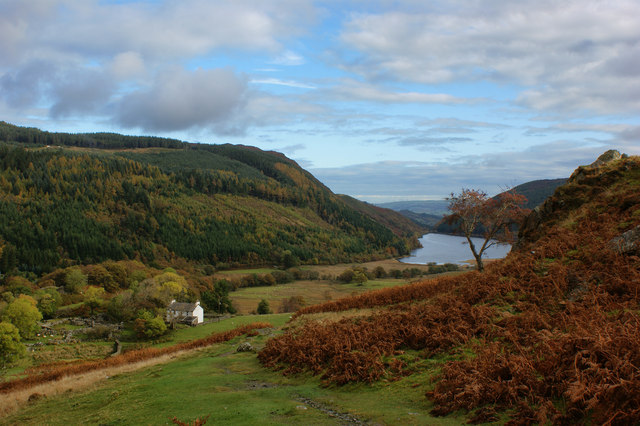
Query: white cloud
column 84, row 57
column 452, row 122
column 289, row 58
column 264, row 109
column 292, row 149
column 279, row 82
column 573, row 55
column 127, row 65
column 356, row 91
column 156, row 30
column 621, row 136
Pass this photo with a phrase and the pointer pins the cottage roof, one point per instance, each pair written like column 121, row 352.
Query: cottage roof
column 183, row 307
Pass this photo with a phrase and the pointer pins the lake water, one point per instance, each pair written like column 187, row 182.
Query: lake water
column 441, row 248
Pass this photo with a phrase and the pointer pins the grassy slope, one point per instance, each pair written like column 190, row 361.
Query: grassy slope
column 233, row 389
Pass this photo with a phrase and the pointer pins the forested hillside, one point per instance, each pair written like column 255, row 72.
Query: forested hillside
column 88, row 198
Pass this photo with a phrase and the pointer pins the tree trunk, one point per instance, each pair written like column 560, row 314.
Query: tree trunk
column 479, row 262
column 477, row 256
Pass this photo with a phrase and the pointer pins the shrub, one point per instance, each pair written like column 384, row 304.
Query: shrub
column 346, row 276
column 360, row 277
column 379, row 272
column 11, row 348
column 48, row 302
column 283, row 277
column 263, row 307
column 74, row 280
column 267, row 280
column 146, row 325
column 24, row 315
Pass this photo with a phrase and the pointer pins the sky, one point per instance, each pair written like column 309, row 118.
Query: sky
column 381, row 100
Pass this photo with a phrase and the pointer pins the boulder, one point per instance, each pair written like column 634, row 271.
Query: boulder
column 245, row 347
column 607, row 157
column 627, row 243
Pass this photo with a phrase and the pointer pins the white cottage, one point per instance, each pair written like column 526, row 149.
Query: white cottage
column 189, row 313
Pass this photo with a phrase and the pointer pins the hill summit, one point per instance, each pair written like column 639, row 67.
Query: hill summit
column 547, row 335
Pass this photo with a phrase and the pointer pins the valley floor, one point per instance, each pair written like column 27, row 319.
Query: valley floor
column 246, row 299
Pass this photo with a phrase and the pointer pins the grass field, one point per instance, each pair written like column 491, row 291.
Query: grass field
column 246, row 299
column 185, row 334
column 233, row 389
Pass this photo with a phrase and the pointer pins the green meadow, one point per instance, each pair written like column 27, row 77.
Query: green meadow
column 232, row 388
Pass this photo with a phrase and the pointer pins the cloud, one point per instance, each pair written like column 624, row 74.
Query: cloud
column 629, row 137
column 291, row 149
column 121, row 60
column 427, row 143
column 69, row 90
column 25, row 86
column 178, row 99
column 279, row 82
column 81, row 92
column 452, row 122
column 156, row 30
column 622, row 136
column 19, row 22
column 572, row 56
column 355, row 91
column 289, row 58
column 393, row 180
column 127, row 65
column 264, row 109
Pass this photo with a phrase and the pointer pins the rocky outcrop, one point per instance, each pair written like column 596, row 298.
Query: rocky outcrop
column 627, row 243
column 606, row 158
column 245, row 347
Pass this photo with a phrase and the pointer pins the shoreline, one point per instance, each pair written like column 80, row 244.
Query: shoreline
column 450, row 251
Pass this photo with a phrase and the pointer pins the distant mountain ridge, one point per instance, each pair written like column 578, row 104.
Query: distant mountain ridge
column 537, row 191
column 70, row 198
column 432, row 207
column 429, row 213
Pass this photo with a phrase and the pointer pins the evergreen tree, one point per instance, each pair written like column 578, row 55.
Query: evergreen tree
column 263, row 307
column 218, row 299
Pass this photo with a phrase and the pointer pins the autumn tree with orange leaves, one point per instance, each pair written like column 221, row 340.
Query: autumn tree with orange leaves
column 473, row 212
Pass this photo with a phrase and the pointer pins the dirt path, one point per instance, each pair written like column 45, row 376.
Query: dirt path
column 14, row 400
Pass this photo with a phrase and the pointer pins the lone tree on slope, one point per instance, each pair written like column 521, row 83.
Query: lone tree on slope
column 472, row 212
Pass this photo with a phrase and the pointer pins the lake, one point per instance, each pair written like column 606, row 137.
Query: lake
column 441, row 248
